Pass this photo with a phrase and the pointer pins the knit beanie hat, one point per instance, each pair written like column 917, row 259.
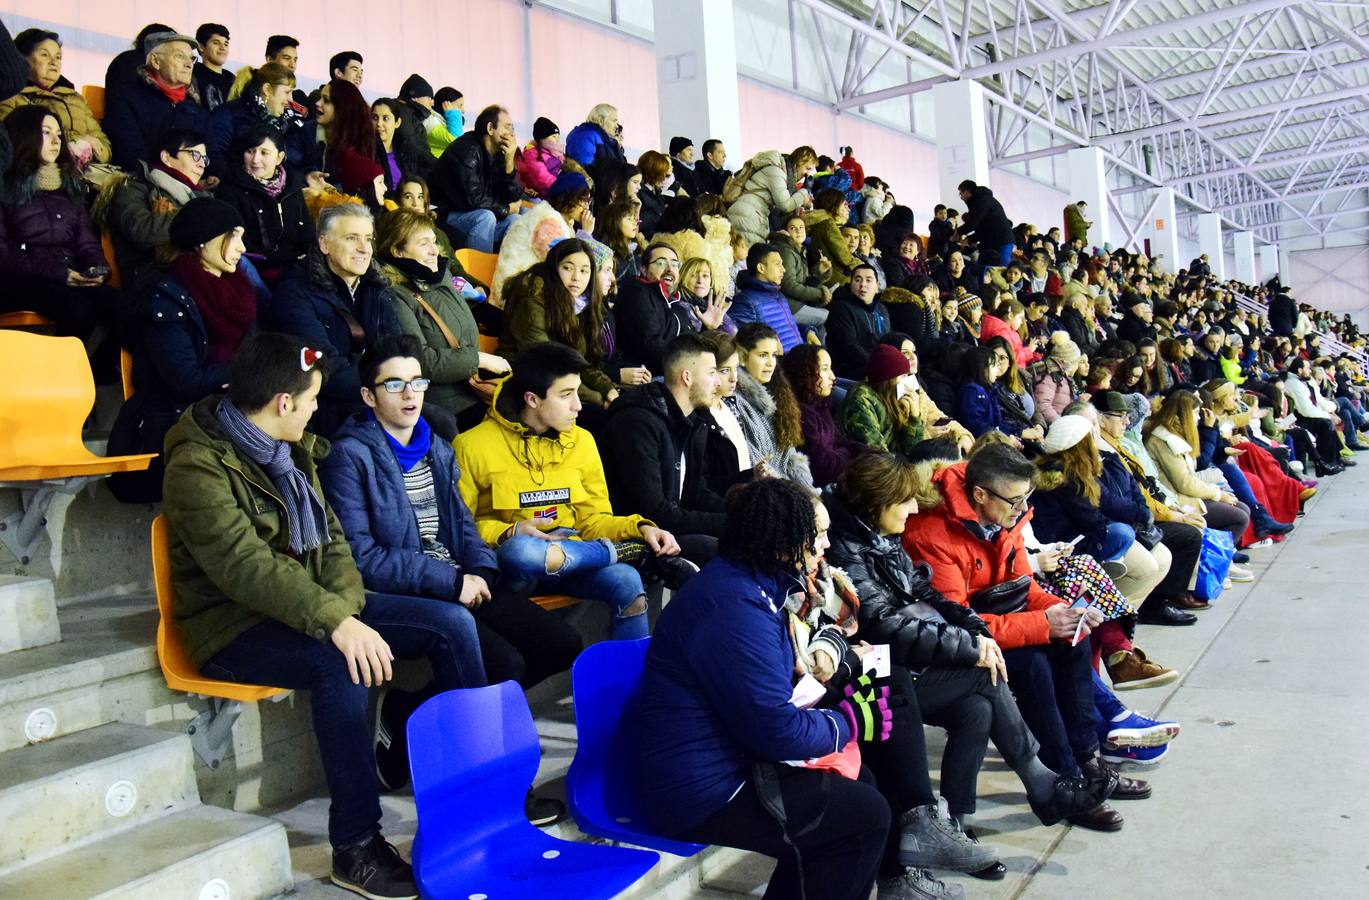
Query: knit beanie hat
column 884, row 364
column 415, row 86
column 544, row 128
column 1065, row 349
column 678, row 144
column 567, row 183
column 200, row 221
column 1065, row 432
column 602, row 254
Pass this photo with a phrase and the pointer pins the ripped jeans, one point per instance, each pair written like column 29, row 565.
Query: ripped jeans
column 589, row 570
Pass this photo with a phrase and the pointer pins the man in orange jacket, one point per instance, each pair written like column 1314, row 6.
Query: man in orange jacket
column 973, row 542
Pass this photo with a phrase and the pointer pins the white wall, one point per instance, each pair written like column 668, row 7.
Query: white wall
column 1337, row 278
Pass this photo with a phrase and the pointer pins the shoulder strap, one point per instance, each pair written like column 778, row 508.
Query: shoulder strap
column 441, row 325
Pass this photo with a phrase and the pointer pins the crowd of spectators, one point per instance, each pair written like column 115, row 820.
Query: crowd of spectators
column 892, row 480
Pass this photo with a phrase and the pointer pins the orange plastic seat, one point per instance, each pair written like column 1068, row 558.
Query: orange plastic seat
column 23, row 319
column 115, row 280
column 479, row 265
column 126, row 371
column 94, row 96
column 555, row 601
column 48, row 396
column 180, row 675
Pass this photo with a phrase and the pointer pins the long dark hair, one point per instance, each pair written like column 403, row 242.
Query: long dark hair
column 606, row 225
column 25, row 127
column 801, row 366
column 788, row 423
column 542, row 284
column 351, row 128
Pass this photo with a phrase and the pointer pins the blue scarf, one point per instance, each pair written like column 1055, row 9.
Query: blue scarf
column 419, row 443
column 303, row 507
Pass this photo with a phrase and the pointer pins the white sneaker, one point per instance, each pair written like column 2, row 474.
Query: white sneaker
column 1295, row 466
column 1226, row 584
column 1240, row 573
column 1261, row 544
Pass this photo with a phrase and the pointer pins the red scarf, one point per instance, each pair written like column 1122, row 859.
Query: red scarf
column 179, row 176
column 176, row 94
column 227, row 304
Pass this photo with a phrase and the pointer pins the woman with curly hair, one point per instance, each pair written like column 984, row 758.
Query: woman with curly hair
column 809, row 369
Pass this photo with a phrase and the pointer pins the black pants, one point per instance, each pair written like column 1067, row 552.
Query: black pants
column 840, row 857
column 520, row 641
column 698, row 548
column 1232, row 518
column 76, row 311
column 1053, row 684
column 1323, row 431
column 1185, row 543
column 972, row 710
column 900, row 763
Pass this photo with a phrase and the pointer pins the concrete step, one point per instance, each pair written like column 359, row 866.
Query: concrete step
column 85, row 786
column 202, row 852
column 28, row 613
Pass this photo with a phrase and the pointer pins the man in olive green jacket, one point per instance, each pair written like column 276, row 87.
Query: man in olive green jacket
column 267, row 591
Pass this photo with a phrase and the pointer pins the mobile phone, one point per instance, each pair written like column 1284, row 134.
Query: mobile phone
column 876, row 661
column 1077, row 539
column 489, row 374
column 942, row 422
column 97, row 271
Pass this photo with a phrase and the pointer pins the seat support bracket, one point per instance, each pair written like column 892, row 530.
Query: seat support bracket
column 211, row 732
column 20, row 532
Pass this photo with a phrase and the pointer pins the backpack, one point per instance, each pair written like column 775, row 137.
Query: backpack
column 732, row 190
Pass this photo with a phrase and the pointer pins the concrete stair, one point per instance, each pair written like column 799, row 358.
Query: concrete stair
column 28, row 613
column 113, row 811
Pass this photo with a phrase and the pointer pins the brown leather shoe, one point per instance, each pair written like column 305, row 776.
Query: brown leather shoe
column 1101, row 818
column 1131, row 670
column 1127, row 788
column 1187, row 600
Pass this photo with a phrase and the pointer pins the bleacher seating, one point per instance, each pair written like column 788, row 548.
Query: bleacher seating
column 41, row 450
column 472, row 754
column 479, row 265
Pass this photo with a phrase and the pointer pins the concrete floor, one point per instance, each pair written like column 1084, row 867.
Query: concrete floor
column 1264, row 795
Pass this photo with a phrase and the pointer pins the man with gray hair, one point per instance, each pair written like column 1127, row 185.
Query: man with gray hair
column 336, row 300
column 159, row 99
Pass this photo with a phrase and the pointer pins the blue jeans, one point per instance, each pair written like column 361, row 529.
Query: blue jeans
column 274, row 654
column 587, row 572
column 1240, row 486
column 1352, row 420
column 1053, row 686
column 1117, row 543
column 479, row 229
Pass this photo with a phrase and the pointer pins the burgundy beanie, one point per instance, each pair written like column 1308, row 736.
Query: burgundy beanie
column 885, row 363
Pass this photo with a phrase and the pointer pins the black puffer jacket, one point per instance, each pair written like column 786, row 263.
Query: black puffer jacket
column 898, row 605
column 278, row 230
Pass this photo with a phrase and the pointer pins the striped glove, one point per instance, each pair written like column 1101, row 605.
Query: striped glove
column 866, row 707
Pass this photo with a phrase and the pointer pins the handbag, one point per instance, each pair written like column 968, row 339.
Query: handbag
column 1149, row 535
column 1214, row 561
column 485, row 389
column 1002, row 599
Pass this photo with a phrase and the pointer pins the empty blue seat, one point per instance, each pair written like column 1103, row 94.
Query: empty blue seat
column 473, row 753
column 604, row 681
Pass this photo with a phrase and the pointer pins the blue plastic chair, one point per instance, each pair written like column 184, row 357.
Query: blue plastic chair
column 472, row 754
column 600, row 784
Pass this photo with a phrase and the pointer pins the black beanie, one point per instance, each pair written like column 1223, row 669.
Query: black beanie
column 679, row 143
column 200, row 221
column 415, row 86
column 544, row 128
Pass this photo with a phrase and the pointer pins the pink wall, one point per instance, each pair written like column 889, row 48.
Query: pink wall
column 1336, row 279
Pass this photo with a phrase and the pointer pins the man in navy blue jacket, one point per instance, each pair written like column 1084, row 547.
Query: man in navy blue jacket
column 394, row 489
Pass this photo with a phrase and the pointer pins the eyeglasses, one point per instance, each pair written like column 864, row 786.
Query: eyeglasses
column 195, row 155
column 397, row 385
column 308, row 358
column 1019, row 503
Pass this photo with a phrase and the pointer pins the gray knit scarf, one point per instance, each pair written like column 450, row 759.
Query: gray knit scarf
column 303, row 507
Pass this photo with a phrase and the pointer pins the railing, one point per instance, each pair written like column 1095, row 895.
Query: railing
column 1332, row 345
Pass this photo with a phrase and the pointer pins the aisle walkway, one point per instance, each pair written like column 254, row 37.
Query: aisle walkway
column 1266, row 792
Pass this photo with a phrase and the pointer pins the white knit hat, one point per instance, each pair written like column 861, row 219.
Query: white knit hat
column 1065, row 432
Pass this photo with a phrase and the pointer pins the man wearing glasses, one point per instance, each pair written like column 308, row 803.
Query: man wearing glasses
column 394, row 487
column 974, row 543
column 267, row 591
column 650, row 311
column 161, row 99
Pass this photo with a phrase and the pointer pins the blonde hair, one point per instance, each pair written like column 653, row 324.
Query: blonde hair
column 691, row 268
column 397, row 227
column 601, row 114
column 1081, row 465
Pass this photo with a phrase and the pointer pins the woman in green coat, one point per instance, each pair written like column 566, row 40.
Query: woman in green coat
column 876, row 412
column 830, row 212
column 430, row 309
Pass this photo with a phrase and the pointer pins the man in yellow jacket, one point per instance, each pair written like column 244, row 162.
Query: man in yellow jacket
column 535, row 483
